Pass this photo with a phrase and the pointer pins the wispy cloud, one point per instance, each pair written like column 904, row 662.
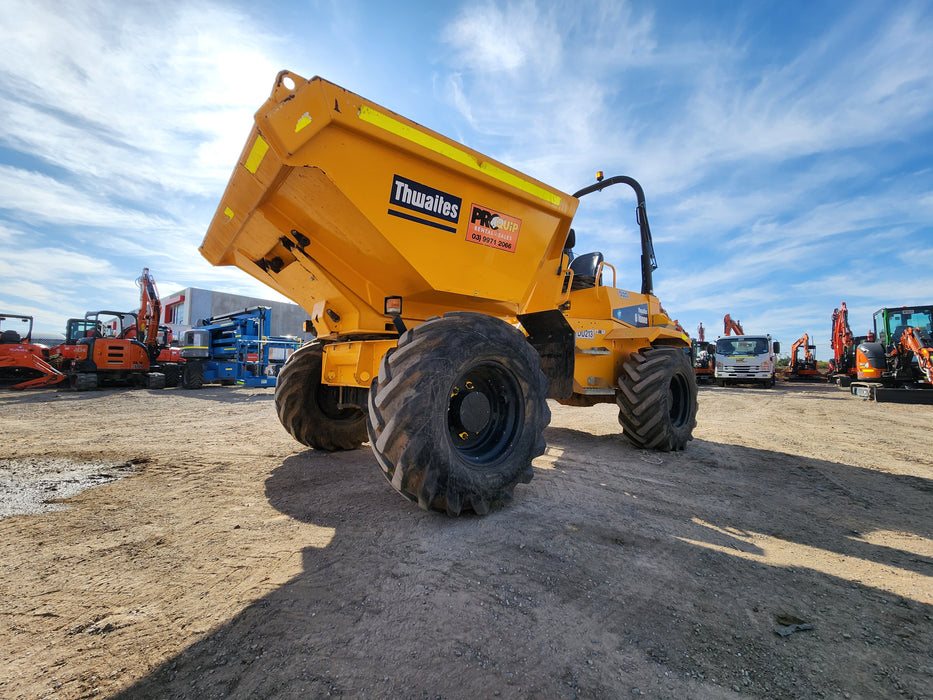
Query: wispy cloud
column 767, row 169
column 122, row 125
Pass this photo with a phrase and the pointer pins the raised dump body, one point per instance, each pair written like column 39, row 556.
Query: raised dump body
column 446, row 306
column 338, row 203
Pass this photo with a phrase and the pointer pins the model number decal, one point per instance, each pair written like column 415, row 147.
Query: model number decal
column 632, row 315
column 586, row 334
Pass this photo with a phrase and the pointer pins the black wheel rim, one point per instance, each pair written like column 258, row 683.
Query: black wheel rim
column 484, row 413
column 680, row 396
column 328, row 400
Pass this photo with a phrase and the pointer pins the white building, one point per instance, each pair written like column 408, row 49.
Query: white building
column 191, row 306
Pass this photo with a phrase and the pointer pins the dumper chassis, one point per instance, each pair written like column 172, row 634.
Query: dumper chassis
column 445, row 296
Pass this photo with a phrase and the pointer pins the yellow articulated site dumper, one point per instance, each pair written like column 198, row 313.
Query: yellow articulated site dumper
column 447, row 303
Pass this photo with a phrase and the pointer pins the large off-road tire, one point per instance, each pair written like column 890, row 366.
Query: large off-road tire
column 458, row 411
column 309, row 409
column 172, row 375
column 657, row 398
column 192, row 377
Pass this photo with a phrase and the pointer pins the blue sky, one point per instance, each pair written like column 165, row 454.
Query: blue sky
column 784, row 148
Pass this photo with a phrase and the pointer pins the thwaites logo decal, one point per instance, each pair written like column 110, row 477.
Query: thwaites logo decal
column 632, row 315
column 424, row 200
column 493, row 228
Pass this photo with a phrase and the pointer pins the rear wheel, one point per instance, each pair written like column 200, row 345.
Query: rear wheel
column 172, row 375
column 458, row 411
column 310, row 410
column 657, row 399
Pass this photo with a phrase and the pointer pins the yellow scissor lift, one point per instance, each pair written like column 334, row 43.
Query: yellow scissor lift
column 441, row 289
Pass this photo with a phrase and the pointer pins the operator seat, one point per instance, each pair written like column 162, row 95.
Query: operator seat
column 9, row 337
column 585, row 268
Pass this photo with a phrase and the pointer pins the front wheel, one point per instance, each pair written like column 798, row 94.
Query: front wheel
column 310, row 410
column 657, row 398
column 458, row 411
column 192, row 376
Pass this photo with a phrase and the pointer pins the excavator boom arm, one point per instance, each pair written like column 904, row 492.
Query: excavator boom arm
column 150, row 310
column 730, row 326
column 913, row 341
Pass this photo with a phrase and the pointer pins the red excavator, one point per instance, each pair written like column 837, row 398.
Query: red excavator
column 802, row 368
column 842, row 367
column 24, row 364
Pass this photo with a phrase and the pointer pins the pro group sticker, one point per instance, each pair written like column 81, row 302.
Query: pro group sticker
column 492, row 228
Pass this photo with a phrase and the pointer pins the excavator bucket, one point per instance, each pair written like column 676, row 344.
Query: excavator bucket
column 25, row 370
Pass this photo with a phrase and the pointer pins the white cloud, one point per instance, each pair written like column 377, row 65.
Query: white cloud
column 136, row 97
column 490, row 38
column 38, row 198
column 123, row 125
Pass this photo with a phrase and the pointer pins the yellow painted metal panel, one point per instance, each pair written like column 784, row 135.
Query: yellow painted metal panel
column 382, row 206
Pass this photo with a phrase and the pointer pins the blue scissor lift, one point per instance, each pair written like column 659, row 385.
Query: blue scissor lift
column 234, row 348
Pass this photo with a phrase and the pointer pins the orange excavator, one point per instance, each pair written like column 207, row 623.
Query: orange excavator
column 164, row 357
column 703, row 355
column 802, row 368
column 842, row 368
column 96, row 353
column 895, row 363
column 24, row 364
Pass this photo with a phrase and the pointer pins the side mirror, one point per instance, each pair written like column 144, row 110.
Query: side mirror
column 777, row 347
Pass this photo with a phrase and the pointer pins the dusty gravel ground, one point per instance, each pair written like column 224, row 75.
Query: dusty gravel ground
column 787, row 553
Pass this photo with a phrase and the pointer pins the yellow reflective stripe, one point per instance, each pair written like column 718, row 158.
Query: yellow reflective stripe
column 393, row 126
column 256, row 155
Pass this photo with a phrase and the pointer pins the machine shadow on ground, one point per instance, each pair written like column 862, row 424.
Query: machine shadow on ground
column 614, row 569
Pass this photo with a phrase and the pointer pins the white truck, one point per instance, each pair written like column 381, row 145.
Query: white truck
column 746, row 358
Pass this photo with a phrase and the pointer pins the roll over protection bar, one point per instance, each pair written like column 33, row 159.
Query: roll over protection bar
column 648, row 261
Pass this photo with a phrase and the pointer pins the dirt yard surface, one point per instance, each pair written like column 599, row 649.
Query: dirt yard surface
column 787, row 553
